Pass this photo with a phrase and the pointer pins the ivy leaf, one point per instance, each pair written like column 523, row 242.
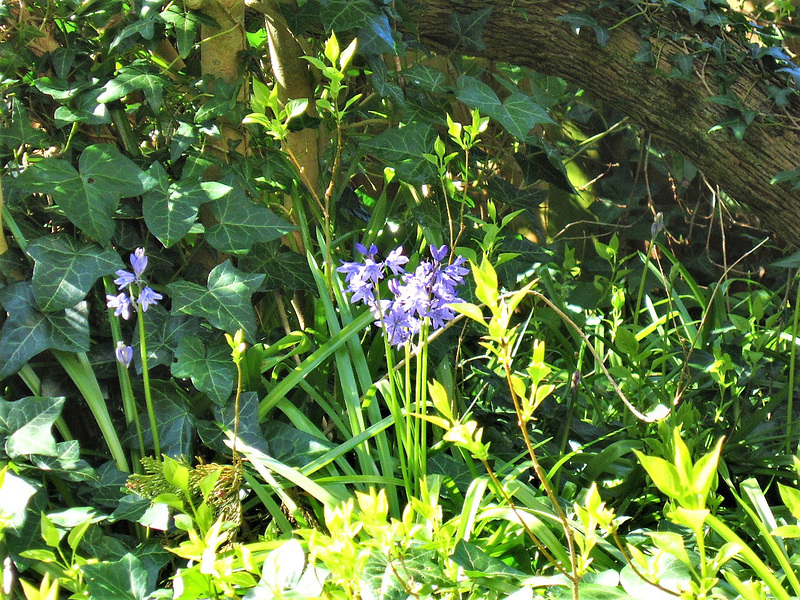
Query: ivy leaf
column 240, row 222
column 133, row 77
column 21, row 133
column 123, row 579
column 341, row 15
column 210, row 369
column 403, row 148
column 170, row 209
column 88, row 197
column 377, row 37
column 186, row 26
column 469, row 28
column 176, row 423
column 521, row 115
column 518, row 114
column 476, row 562
column 87, row 110
column 225, row 302
column 65, row 271
column 164, row 332
column 284, row 269
column 26, row 425
column 427, row 77
column 27, row 331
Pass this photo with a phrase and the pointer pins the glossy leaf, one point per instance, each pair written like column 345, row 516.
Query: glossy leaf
column 20, row 133
column 26, row 424
column 27, row 331
column 65, row 270
column 403, row 149
column 469, row 28
column 240, row 222
column 133, row 77
column 164, row 331
column 124, row 579
column 341, row 15
column 224, row 302
column 89, row 196
column 170, row 209
column 210, row 368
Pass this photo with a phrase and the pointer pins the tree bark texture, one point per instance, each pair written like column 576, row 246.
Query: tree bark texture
column 678, row 111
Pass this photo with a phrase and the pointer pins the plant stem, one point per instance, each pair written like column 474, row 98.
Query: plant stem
column 541, row 474
column 146, row 381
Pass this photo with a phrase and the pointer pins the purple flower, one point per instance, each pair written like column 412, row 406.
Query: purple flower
column 121, row 304
column 423, row 294
column 147, row 298
column 438, row 254
column 138, row 262
column 124, row 278
column 396, row 260
column 371, row 253
column 124, row 354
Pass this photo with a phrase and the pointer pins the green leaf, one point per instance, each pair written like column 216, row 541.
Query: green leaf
column 210, row 368
column 15, row 494
column 86, row 110
column 26, row 425
column 27, row 331
column 663, row 474
column 88, row 197
column 225, row 302
column 791, row 498
column 388, row 577
column 341, row 15
column 124, row 579
column 170, row 209
column 403, row 149
column 241, row 222
column 65, row 271
column 176, row 422
column 469, row 28
column 518, row 113
column 427, row 77
column 284, row 269
column 186, row 25
column 136, row 76
column 20, row 133
column 476, row 562
column 164, row 331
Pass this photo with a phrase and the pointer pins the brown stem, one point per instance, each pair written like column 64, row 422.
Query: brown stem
column 545, row 482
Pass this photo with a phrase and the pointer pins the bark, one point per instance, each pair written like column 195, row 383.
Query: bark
column 678, row 111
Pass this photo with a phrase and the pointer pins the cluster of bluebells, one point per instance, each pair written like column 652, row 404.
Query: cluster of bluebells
column 124, row 302
column 423, row 294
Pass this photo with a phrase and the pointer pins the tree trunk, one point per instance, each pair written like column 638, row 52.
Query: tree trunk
column 678, row 111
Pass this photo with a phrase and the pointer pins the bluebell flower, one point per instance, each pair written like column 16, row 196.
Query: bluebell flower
column 124, row 354
column 121, row 304
column 138, row 262
column 423, row 294
column 124, row 278
column 147, row 298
